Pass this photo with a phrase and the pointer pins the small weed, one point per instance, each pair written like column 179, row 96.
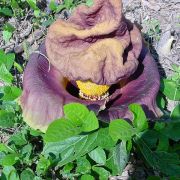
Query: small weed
column 153, row 30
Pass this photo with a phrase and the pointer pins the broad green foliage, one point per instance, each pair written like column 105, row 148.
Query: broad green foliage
column 78, row 119
column 10, row 173
column 171, row 89
column 27, row 174
column 5, row 75
column 87, row 177
column 120, row 129
column 153, row 28
column 83, row 165
column 8, row 30
column 61, row 129
column 168, row 163
column 102, row 172
column 118, row 158
column 175, row 115
column 161, row 102
column 104, row 140
column 171, row 86
column 7, row 59
column 7, row 119
column 72, row 148
column 98, row 155
column 32, row 4
column 79, row 146
column 140, row 121
column 89, row 2
column 93, row 154
column 81, row 116
column 6, row 11
column 8, row 92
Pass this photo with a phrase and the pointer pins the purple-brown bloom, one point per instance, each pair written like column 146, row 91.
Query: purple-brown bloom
column 96, row 44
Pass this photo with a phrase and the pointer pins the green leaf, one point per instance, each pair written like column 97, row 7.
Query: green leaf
column 169, row 158
column 163, row 144
column 14, row 5
column 42, row 165
column 90, row 122
column 52, row 5
column 72, row 148
column 175, row 115
column 76, row 112
column 60, row 130
column 103, row 173
column 150, row 137
column 18, row 139
column 5, row 148
column 139, row 120
column 37, row 178
column 48, row 22
column 60, row 8
column 7, row 35
column 2, row 155
column 145, row 150
column 6, row 11
column 176, row 68
column 159, row 126
column 10, row 106
column 68, row 168
column 87, row 177
column 11, row 93
column 160, row 101
column 9, row 159
column 120, row 129
column 175, row 77
column 172, row 131
column 5, row 75
column 165, row 162
column 170, row 89
column 153, row 178
column 129, row 146
column 7, row 59
column 118, row 158
column 10, row 173
column 27, row 174
column 26, row 153
column 68, row 3
column 32, row 4
column 81, row 116
column 18, row 67
column 8, row 30
column 89, row 3
column 35, row 132
column 98, row 155
column 37, row 13
column 6, row 119
column 83, row 165
column 104, row 140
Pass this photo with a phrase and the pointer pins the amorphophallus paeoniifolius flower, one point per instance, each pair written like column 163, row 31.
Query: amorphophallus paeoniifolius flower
column 97, row 57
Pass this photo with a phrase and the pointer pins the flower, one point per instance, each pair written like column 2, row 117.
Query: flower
column 98, row 46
